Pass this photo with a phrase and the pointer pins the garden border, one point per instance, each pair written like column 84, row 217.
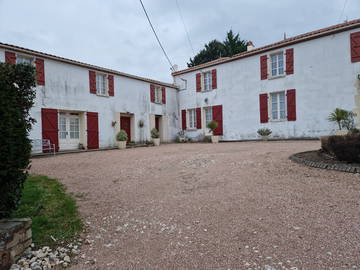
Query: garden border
column 323, row 165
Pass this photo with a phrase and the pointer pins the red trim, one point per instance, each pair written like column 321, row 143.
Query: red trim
column 290, row 61
column 198, row 82
column 263, row 101
column 10, row 57
column 49, row 125
column 291, row 104
column 218, row 117
column 163, row 95
column 355, row 47
column 40, row 72
column 92, row 130
column 214, row 79
column 263, row 67
column 183, row 119
column 111, row 85
column 198, row 118
column 152, row 93
column 92, row 81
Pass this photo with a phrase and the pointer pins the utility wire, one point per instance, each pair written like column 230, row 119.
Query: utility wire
column 152, row 27
column 342, row 12
column 185, row 28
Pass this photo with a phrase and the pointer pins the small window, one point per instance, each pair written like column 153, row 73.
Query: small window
column 207, row 81
column 208, row 115
column 277, row 64
column 278, row 106
column 101, row 85
column 192, row 119
column 21, row 59
column 158, row 94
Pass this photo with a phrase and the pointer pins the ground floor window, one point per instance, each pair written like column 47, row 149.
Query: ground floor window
column 192, row 119
column 278, row 106
column 208, row 115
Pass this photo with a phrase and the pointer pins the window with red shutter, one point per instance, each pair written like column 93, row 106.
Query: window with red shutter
column 263, row 101
column 163, row 95
column 198, row 82
column 290, row 61
column 111, row 85
column 92, row 81
column 214, row 79
column 183, row 119
column 355, row 47
column 10, row 57
column 198, row 118
column 263, row 67
column 291, row 104
column 218, row 117
column 40, row 72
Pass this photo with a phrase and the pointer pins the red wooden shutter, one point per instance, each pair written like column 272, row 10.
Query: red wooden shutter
column 264, row 117
column 49, row 125
column 198, row 118
column 263, row 67
column 40, row 73
column 152, row 93
column 291, row 104
column 218, row 117
column 111, row 85
column 163, row 95
column 10, row 57
column 183, row 119
column 214, row 79
column 92, row 130
column 92, row 81
column 355, row 47
column 290, row 61
column 198, row 82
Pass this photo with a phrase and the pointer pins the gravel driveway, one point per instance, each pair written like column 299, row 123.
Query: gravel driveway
column 204, row 206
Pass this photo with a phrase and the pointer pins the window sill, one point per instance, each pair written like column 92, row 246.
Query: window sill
column 277, row 77
column 159, row 103
column 278, row 120
column 205, row 91
column 191, row 129
column 100, row 95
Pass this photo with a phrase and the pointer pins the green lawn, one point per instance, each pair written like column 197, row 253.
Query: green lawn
column 53, row 211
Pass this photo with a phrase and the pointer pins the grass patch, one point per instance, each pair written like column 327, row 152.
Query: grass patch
column 53, row 212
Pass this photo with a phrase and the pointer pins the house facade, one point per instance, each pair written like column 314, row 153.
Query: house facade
column 80, row 105
column 290, row 87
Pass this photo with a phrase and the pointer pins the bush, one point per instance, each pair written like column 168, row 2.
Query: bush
column 212, row 125
column 17, row 94
column 122, row 136
column 345, row 148
column 264, row 131
column 155, row 133
column 344, row 118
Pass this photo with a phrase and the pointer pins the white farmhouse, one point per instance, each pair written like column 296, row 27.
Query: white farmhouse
column 290, row 87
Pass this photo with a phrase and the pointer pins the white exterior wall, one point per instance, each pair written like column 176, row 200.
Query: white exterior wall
column 324, row 79
column 67, row 88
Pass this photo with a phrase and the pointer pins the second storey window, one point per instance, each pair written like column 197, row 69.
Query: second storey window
column 278, row 106
column 192, row 119
column 101, row 84
column 277, row 64
column 158, row 94
column 24, row 60
column 208, row 115
column 207, row 81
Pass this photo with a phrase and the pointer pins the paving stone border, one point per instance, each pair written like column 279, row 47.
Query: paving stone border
column 324, row 165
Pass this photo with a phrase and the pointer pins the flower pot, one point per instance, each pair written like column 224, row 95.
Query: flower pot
column 156, row 141
column 122, row 144
column 214, row 139
column 265, row 138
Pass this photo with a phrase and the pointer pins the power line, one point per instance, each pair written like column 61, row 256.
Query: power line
column 342, row 12
column 147, row 16
column 185, row 28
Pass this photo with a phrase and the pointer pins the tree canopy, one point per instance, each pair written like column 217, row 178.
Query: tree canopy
column 215, row 49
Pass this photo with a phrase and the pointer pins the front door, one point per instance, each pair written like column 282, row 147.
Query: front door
column 125, row 124
column 157, row 122
column 69, row 130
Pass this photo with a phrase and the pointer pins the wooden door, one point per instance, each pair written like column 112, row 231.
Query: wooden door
column 125, row 124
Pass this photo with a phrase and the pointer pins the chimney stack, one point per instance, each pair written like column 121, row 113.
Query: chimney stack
column 249, row 46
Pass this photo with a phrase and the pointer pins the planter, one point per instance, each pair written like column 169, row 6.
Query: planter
column 156, row 141
column 341, row 132
column 265, row 138
column 122, row 144
column 214, row 139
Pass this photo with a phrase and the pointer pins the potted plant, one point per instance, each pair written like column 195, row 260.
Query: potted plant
column 212, row 125
column 122, row 138
column 155, row 135
column 341, row 116
column 264, row 133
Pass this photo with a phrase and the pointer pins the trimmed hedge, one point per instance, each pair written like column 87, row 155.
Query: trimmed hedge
column 16, row 98
column 344, row 148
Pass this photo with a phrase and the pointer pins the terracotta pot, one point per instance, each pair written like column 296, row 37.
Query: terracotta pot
column 156, row 141
column 122, row 144
column 214, row 139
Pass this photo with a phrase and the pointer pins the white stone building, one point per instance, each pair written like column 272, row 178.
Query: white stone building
column 290, row 87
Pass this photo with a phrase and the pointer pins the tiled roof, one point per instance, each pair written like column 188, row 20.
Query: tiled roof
column 81, row 64
column 289, row 41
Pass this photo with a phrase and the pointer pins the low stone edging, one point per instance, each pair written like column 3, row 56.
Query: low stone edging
column 323, row 165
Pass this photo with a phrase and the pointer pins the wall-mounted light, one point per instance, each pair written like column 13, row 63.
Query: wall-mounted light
column 113, row 123
column 206, row 100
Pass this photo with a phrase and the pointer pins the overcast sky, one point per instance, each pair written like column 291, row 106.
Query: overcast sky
column 115, row 33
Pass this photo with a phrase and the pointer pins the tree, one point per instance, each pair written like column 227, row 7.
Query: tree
column 16, row 99
column 216, row 49
column 338, row 116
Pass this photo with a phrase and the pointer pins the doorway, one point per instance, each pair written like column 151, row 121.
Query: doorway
column 157, row 122
column 125, row 124
column 69, row 130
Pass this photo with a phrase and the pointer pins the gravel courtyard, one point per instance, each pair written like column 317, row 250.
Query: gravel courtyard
column 205, row 206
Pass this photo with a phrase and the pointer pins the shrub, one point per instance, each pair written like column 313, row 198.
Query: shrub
column 212, row 125
column 155, row 133
column 122, row 136
column 17, row 94
column 264, row 131
column 345, row 148
column 344, row 118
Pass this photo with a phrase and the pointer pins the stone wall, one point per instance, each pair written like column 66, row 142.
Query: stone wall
column 15, row 237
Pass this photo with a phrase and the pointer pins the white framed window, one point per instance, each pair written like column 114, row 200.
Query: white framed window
column 62, row 126
column 158, row 94
column 208, row 115
column 74, row 128
column 207, row 81
column 22, row 59
column 277, row 64
column 278, row 111
column 192, row 119
column 101, row 84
